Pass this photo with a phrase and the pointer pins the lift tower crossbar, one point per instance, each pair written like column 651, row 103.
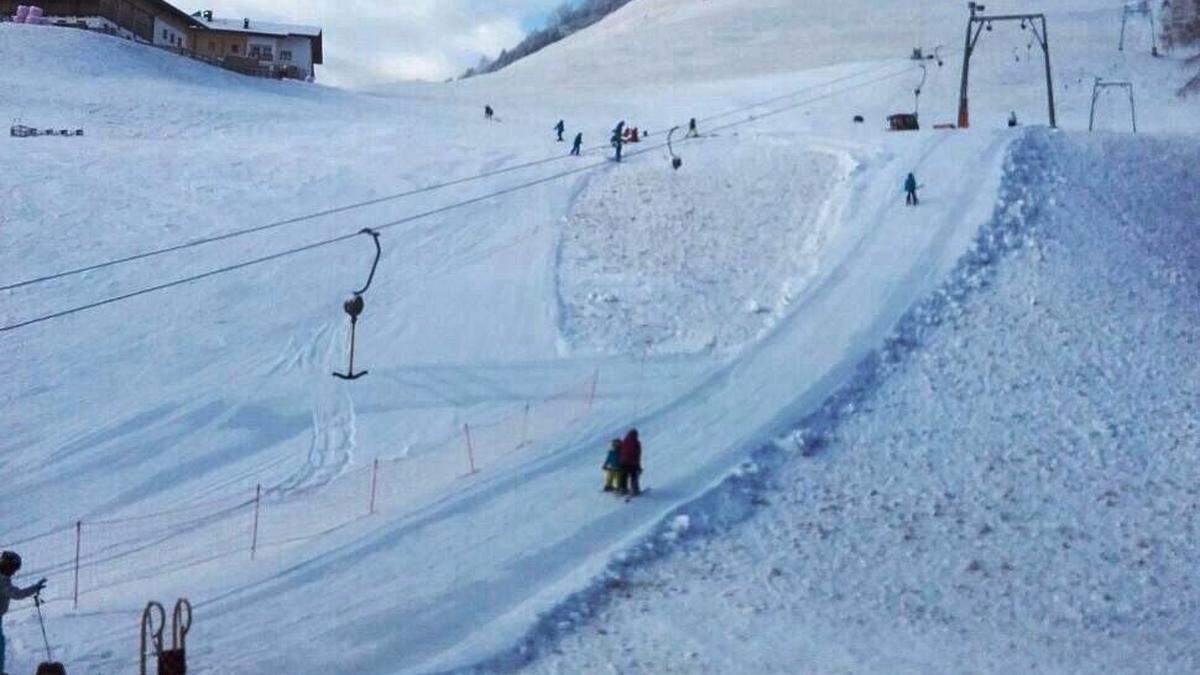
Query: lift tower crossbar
column 976, row 24
column 1098, row 88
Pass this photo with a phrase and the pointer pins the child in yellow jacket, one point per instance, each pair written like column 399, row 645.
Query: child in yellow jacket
column 612, row 466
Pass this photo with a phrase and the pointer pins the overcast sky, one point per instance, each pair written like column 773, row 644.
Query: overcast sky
column 373, row 41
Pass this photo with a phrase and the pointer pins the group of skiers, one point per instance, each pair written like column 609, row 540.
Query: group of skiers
column 623, row 465
column 621, row 134
column 10, row 564
column 577, row 145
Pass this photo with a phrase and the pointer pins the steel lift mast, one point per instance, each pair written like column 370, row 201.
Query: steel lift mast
column 976, row 25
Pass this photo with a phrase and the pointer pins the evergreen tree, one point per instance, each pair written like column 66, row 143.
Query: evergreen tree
column 568, row 18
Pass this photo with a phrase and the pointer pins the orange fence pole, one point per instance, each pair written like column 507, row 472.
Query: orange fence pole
column 254, row 534
column 78, row 545
column 470, row 449
column 374, row 483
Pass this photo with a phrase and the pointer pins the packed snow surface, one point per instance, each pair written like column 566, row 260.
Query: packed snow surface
column 1014, row 490
column 499, row 368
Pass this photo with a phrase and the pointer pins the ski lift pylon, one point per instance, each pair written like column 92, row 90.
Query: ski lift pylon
column 354, row 305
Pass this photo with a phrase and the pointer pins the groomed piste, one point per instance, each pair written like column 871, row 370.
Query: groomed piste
column 172, row 313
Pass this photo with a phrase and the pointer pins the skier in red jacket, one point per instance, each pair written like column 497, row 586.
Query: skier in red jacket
column 631, row 463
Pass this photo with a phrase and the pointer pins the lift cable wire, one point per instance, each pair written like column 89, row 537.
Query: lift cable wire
column 433, row 212
column 379, row 200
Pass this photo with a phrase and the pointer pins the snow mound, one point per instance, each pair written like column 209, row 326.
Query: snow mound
column 704, row 258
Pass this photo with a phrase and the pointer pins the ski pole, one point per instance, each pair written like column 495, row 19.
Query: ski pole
column 37, row 601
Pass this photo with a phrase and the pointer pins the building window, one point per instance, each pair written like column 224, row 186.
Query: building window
column 285, row 55
column 165, row 34
column 233, row 48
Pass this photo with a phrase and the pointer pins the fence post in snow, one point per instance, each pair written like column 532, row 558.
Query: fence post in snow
column 470, row 449
column 254, row 532
column 78, row 545
column 374, row 483
column 525, row 428
column 592, row 393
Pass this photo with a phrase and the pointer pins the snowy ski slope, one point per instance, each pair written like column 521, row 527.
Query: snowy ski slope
column 153, row 420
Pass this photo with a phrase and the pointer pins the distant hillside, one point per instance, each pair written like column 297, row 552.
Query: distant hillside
column 567, row 19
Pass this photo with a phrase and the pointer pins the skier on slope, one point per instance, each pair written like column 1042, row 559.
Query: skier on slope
column 560, row 128
column 910, row 187
column 618, row 138
column 488, row 113
column 577, row 147
column 692, row 131
column 631, row 464
column 10, row 563
column 612, row 466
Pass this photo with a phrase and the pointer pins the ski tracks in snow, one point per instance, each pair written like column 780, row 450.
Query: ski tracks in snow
column 304, row 355
column 333, row 419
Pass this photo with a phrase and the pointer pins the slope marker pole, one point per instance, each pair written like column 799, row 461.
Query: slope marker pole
column 470, row 450
column 78, row 546
column 254, row 532
column 374, row 483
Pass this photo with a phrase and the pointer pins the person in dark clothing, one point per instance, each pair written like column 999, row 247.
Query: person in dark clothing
column 488, row 113
column 692, row 131
column 910, row 187
column 577, row 147
column 560, row 128
column 10, row 564
column 631, row 464
column 618, row 140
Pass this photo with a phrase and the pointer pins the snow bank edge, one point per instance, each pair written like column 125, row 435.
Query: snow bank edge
column 735, row 498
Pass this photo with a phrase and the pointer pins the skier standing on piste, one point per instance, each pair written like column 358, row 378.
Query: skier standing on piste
column 910, row 187
column 631, row 464
column 618, row 138
column 10, row 564
column 612, row 466
column 577, row 147
column 560, row 128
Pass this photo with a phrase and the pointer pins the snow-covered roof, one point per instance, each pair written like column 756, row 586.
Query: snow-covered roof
column 260, row 27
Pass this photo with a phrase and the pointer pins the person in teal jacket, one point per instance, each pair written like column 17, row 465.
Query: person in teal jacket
column 910, row 187
column 612, row 466
column 10, row 563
